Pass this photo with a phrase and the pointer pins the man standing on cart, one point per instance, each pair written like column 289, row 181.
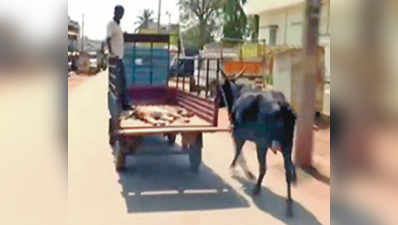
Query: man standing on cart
column 115, row 42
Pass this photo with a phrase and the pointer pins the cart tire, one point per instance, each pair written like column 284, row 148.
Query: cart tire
column 120, row 157
column 195, row 158
column 171, row 139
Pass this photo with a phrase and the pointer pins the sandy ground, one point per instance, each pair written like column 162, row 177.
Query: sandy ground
column 75, row 80
column 161, row 189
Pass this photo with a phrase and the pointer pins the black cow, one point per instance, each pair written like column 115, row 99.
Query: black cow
column 264, row 117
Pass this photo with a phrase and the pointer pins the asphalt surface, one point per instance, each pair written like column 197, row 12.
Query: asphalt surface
column 160, row 189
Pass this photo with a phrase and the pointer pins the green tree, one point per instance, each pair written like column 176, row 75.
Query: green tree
column 201, row 13
column 253, row 27
column 235, row 19
column 190, row 38
column 145, row 19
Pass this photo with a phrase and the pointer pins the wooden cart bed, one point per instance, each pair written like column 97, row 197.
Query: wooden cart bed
column 206, row 114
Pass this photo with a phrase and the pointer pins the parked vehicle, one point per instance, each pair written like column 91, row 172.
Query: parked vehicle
column 176, row 67
column 93, row 63
column 183, row 65
column 102, row 60
column 72, row 60
column 247, row 57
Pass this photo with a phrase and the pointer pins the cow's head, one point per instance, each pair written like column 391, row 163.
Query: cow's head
column 228, row 91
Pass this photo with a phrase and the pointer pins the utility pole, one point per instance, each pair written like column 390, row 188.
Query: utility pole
column 160, row 6
column 307, row 85
column 169, row 14
column 82, row 47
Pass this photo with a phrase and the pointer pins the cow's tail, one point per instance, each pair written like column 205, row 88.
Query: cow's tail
column 287, row 111
column 289, row 119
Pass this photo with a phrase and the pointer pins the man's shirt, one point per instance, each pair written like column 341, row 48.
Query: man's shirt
column 114, row 31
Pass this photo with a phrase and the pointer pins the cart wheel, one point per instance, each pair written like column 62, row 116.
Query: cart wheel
column 120, row 157
column 171, row 138
column 195, row 157
column 110, row 132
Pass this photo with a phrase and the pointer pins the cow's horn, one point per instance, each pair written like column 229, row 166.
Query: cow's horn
column 240, row 73
column 223, row 73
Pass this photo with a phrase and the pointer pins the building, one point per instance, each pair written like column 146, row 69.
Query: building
column 281, row 22
column 90, row 44
column 73, row 34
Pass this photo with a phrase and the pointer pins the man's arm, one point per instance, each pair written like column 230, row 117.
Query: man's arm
column 109, row 33
column 108, row 42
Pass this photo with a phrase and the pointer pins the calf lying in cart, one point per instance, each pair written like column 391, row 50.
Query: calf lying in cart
column 264, row 117
column 161, row 115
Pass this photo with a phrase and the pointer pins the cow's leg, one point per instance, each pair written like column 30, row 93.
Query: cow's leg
column 290, row 172
column 243, row 165
column 262, row 161
column 238, row 148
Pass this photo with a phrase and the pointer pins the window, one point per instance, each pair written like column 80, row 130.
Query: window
column 273, row 34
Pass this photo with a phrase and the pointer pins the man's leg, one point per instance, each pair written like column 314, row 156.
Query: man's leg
column 123, row 87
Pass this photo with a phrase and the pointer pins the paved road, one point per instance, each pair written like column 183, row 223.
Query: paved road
column 161, row 190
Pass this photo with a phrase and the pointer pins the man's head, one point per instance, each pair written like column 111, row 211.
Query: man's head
column 119, row 12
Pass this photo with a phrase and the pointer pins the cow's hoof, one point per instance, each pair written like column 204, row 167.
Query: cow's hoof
column 256, row 191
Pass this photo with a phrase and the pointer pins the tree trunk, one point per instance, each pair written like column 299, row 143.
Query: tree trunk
column 307, row 82
column 202, row 33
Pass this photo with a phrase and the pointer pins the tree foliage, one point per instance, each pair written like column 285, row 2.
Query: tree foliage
column 238, row 25
column 206, row 20
column 145, row 19
column 235, row 19
column 253, row 27
column 203, row 14
column 190, row 38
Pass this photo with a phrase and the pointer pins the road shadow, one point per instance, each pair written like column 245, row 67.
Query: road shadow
column 275, row 205
column 154, row 183
column 314, row 172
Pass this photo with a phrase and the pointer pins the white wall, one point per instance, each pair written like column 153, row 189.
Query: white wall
column 258, row 6
column 325, row 42
column 295, row 20
column 290, row 27
column 290, row 23
column 276, row 17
